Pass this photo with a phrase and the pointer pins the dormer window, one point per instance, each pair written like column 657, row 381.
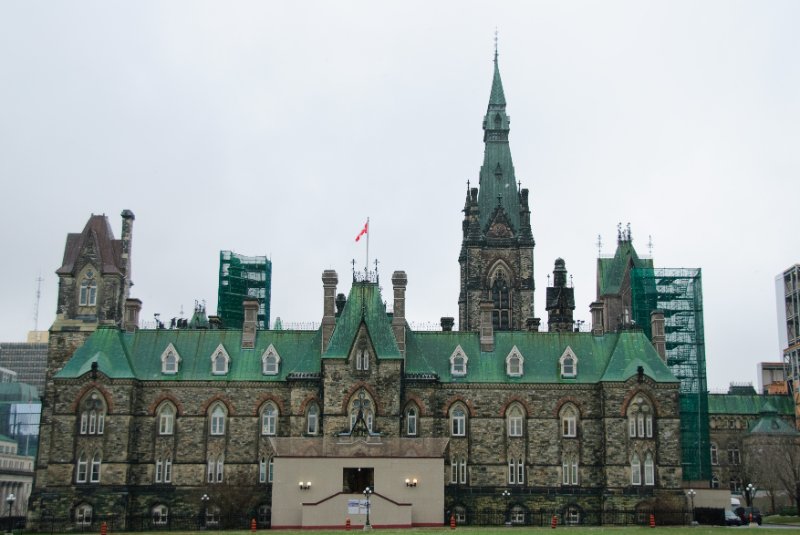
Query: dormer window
column 170, row 360
column 514, row 362
column 362, row 360
column 458, row 363
column 569, row 363
column 220, row 361
column 270, row 362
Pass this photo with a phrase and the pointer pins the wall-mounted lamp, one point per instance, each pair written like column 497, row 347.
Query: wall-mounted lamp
column 304, row 486
column 411, row 482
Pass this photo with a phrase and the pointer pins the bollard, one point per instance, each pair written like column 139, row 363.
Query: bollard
column 453, row 521
column 554, row 522
column 252, row 525
column 652, row 520
column 347, row 524
column 103, row 529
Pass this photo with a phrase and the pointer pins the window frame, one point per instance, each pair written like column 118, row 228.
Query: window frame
column 270, row 361
column 411, row 421
column 459, row 363
column 312, row 420
column 217, row 417
column 636, row 470
column 94, row 472
column 269, row 419
column 649, row 470
column 458, row 421
column 166, row 420
column 515, row 421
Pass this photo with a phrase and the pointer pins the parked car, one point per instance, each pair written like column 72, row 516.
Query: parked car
column 732, row 519
column 748, row 514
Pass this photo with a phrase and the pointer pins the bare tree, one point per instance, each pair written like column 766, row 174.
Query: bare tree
column 773, row 464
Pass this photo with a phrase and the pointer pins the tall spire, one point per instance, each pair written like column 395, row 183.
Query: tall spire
column 497, row 177
column 497, row 99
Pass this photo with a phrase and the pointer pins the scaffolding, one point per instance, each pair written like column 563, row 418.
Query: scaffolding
column 243, row 277
column 678, row 293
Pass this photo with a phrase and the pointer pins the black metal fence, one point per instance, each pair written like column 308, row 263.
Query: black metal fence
column 116, row 523
column 486, row 517
column 573, row 517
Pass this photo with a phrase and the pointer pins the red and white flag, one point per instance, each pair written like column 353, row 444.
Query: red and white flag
column 363, row 230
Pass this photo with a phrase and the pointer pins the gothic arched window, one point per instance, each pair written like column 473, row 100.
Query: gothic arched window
column 501, row 303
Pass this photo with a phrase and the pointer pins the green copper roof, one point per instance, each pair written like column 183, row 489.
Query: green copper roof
column 771, row 423
column 364, row 306
column 498, row 183
column 497, row 97
column 612, row 357
column 128, row 355
column 721, row 404
column 611, row 271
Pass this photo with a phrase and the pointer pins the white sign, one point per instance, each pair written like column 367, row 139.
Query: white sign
column 356, row 507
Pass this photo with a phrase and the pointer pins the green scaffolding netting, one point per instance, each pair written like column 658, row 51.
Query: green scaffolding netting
column 242, row 277
column 677, row 292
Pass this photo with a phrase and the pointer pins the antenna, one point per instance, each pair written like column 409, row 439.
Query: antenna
column 39, row 280
column 599, row 245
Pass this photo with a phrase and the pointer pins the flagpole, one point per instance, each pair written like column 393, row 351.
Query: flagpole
column 366, row 263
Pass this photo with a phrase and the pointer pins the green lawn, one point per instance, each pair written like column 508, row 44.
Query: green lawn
column 670, row 530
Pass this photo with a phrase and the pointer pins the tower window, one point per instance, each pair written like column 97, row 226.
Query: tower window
column 88, row 292
column 501, row 303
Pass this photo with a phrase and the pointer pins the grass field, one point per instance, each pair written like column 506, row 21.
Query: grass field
column 669, row 530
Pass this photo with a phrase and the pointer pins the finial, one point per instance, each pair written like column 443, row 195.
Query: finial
column 619, row 231
column 650, row 244
column 499, row 199
column 495, row 44
column 628, row 227
column 548, row 279
column 519, row 186
column 599, row 245
column 467, row 185
column 570, row 280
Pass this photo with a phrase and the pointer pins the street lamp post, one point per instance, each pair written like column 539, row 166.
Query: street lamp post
column 367, row 493
column 691, row 495
column 10, row 501
column 205, row 498
column 506, row 494
column 750, row 492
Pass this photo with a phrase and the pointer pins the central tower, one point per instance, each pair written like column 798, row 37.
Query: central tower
column 496, row 256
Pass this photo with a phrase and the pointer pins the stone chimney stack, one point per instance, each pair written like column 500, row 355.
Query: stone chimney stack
column 125, row 255
column 487, row 327
column 532, row 324
column 447, row 323
column 329, row 281
column 659, row 337
column 132, row 309
column 250, row 307
column 399, row 282
column 597, row 318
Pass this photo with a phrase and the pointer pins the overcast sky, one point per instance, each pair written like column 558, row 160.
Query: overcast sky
column 277, row 128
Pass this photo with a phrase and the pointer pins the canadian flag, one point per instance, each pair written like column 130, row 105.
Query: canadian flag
column 363, row 230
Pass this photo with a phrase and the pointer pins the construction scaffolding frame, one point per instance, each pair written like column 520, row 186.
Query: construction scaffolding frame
column 678, row 293
column 243, row 277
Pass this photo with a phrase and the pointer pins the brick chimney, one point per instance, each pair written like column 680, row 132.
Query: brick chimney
column 329, row 281
column 399, row 283
column 132, row 309
column 125, row 255
column 250, row 307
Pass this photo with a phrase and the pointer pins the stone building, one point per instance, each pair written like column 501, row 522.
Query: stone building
column 495, row 416
column 737, row 425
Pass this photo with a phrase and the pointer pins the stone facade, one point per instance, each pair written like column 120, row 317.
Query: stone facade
column 146, row 422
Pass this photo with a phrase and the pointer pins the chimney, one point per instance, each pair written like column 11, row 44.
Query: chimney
column 125, row 255
column 250, row 307
column 341, row 301
column 597, row 318
column 487, row 328
column 399, row 282
column 532, row 324
column 329, row 281
column 447, row 323
column 132, row 309
column 658, row 336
